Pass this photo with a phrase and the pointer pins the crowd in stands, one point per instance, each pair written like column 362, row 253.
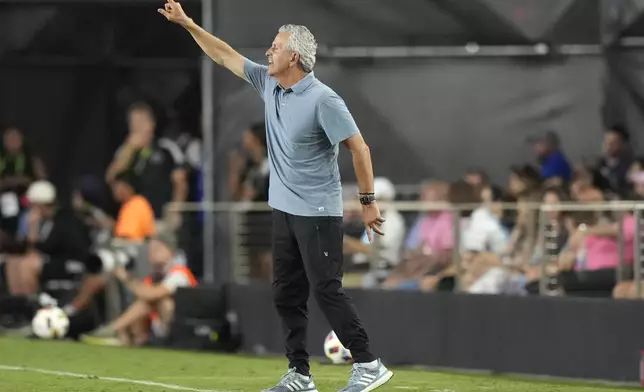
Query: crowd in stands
column 71, row 249
column 500, row 251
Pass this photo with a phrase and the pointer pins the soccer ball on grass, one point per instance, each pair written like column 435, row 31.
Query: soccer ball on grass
column 335, row 351
column 50, row 323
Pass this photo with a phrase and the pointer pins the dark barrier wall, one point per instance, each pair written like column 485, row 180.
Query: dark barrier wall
column 564, row 337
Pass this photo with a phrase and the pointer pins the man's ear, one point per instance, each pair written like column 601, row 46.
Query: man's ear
column 295, row 59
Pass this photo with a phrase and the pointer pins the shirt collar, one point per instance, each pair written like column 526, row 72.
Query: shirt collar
column 301, row 85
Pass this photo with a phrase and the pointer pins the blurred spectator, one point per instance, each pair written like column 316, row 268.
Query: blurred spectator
column 248, row 169
column 248, row 174
column 460, row 196
column 153, row 309
column 135, row 223
column 555, row 169
column 483, row 239
column 157, row 165
column 634, row 179
column 611, row 170
column 581, row 181
column 56, row 245
column 98, row 221
column 550, row 244
column 135, row 220
column 429, row 243
column 476, row 178
column 483, row 231
column 524, row 186
column 587, row 264
column 384, row 253
column 18, row 168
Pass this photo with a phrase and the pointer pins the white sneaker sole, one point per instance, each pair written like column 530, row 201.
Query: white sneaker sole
column 380, row 382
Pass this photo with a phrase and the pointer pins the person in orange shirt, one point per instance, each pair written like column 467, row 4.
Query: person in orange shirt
column 153, row 309
column 135, row 220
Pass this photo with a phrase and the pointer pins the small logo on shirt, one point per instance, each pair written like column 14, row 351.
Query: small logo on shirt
column 320, row 209
column 326, row 253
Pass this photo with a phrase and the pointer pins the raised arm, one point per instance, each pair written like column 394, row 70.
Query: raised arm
column 222, row 53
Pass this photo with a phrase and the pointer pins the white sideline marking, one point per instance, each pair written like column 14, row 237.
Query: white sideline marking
column 112, row 379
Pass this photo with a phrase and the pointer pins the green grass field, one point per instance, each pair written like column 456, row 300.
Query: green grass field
column 29, row 365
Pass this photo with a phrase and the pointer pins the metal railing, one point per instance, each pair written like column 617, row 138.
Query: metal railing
column 234, row 215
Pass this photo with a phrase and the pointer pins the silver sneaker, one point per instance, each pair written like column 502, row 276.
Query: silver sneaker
column 365, row 379
column 292, row 381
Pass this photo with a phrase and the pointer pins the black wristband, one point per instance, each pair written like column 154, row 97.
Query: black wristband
column 367, row 199
column 366, row 193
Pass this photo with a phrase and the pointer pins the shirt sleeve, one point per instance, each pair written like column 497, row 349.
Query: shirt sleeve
column 173, row 152
column 256, row 75
column 174, row 280
column 336, row 120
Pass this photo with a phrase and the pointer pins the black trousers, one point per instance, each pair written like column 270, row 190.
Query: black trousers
column 307, row 256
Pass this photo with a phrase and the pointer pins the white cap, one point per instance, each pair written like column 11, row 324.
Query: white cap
column 384, row 189
column 41, row 192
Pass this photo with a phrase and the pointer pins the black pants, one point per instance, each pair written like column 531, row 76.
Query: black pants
column 307, row 254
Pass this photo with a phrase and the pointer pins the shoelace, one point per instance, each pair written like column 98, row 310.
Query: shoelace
column 356, row 373
column 287, row 377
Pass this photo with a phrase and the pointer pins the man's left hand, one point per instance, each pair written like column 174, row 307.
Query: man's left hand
column 372, row 220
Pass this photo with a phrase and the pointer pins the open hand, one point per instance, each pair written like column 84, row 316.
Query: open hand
column 174, row 13
column 372, row 220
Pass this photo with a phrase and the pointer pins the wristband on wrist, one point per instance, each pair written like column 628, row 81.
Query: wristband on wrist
column 366, row 199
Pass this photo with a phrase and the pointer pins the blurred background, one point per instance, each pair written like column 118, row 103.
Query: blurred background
column 506, row 138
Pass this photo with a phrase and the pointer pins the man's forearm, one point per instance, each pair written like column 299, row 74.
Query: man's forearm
column 363, row 168
column 218, row 50
column 120, row 163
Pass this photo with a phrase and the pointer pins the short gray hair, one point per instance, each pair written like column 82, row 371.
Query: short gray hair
column 303, row 43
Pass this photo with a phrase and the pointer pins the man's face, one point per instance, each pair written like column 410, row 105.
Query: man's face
column 612, row 144
column 141, row 126
column 280, row 59
column 159, row 254
column 12, row 140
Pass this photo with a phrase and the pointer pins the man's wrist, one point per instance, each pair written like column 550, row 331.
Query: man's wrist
column 190, row 24
column 367, row 198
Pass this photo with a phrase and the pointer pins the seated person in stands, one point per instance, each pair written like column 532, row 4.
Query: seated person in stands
column 589, row 260
column 153, row 308
column 135, row 223
column 19, row 167
column 429, row 243
column 86, row 204
column 56, row 246
column 384, row 253
column 483, row 241
column 481, row 236
column 627, row 289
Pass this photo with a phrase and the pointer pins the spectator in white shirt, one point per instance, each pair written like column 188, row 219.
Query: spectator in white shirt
column 483, row 232
column 384, row 253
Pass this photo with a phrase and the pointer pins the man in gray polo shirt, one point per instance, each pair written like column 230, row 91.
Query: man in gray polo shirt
column 305, row 121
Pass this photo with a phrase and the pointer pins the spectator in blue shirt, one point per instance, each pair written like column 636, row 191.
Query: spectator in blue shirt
column 555, row 168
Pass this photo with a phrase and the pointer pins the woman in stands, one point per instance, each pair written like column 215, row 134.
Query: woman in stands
column 587, row 266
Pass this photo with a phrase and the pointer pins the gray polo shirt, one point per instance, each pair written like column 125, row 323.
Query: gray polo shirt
column 304, row 126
